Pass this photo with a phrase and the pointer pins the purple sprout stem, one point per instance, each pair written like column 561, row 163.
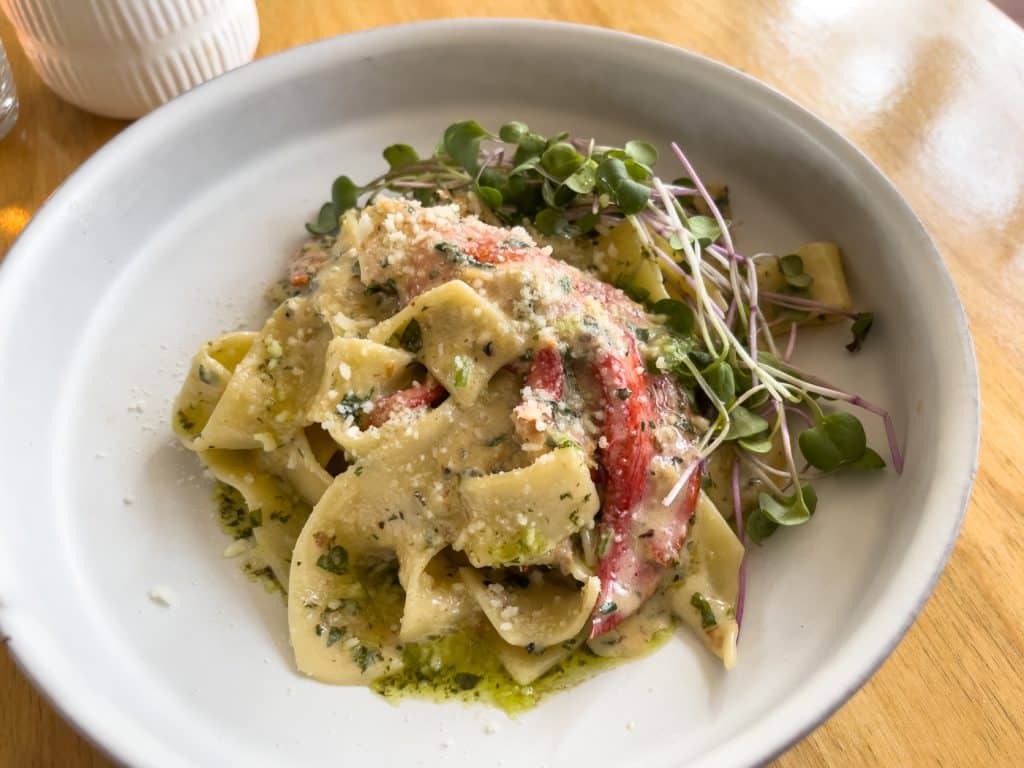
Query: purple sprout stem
column 726, row 237
column 766, row 468
column 787, row 445
column 812, row 383
column 678, row 191
column 682, row 273
column 723, row 252
column 737, row 506
column 795, row 302
column 755, row 310
column 803, row 416
column 791, row 343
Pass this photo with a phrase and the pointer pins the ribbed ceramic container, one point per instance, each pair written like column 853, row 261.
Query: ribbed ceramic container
column 123, row 58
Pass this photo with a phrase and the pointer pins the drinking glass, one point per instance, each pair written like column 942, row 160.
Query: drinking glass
column 8, row 96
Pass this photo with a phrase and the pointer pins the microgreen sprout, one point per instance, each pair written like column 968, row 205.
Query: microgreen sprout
column 718, row 342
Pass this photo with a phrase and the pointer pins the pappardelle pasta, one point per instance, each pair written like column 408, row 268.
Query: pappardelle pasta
column 473, row 465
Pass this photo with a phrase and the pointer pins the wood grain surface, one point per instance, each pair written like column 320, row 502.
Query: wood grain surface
column 933, row 92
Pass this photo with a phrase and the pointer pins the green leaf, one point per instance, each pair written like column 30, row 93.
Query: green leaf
column 704, row 228
column 400, row 155
column 588, row 222
column 792, row 267
column 529, row 145
column 745, row 381
column 582, row 181
column 462, row 142
column 642, row 152
column 679, row 317
column 637, row 171
column 326, row 221
column 720, row 378
column 491, row 177
column 744, row 423
column 491, row 196
column 344, row 194
column 513, row 131
column 334, row 560
column 790, row 510
column 757, row 444
column 870, row 460
column 551, row 222
column 411, row 339
column 528, row 164
column 860, row 329
column 818, row 449
column 759, row 526
column 847, row 434
column 801, row 282
column 835, row 440
column 810, row 498
column 631, row 196
column 547, row 192
column 561, row 159
column 612, row 177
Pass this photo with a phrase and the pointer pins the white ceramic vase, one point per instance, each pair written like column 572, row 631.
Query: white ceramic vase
column 123, row 58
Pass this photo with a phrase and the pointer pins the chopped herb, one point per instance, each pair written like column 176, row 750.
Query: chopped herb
column 707, row 616
column 566, row 283
column 334, row 634
column 860, row 329
column 334, row 560
column 604, row 543
column 411, row 339
column 564, row 496
column 452, row 252
column 185, row 422
column 206, row 376
column 387, row 288
column 562, row 442
column 462, row 369
column 365, row 657
column 623, row 393
column 495, row 440
column 351, row 406
column 456, row 255
column 608, row 607
column 466, row 681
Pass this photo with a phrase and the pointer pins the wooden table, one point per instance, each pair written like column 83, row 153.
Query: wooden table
column 933, row 91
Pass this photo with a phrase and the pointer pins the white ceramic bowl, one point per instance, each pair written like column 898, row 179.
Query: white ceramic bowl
column 167, row 237
column 123, row 58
